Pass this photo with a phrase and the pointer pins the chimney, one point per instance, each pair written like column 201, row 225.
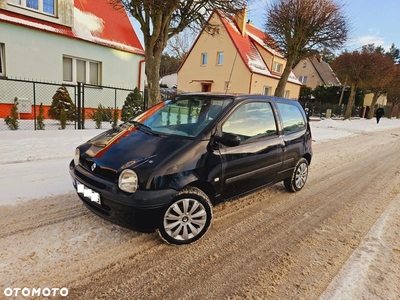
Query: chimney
column 240, row 19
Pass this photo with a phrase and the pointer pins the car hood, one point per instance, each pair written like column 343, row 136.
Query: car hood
column 128, row 147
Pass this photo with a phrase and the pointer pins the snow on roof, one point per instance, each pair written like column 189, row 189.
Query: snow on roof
column 87, row 23
column 247, row 49
column 260, row 37
column 100, row 24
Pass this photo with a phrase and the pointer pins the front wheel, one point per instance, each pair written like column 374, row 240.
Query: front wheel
column 187, row 218
column 299, row 177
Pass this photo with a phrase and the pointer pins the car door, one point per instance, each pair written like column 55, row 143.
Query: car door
column 258, row 158
column 294, row 128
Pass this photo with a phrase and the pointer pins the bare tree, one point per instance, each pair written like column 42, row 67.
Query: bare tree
column 381, row 72
column 179, row 45
column 160, row 20
column 393, row 93
column 301, row 27
column 169, row 64
column 354, row 69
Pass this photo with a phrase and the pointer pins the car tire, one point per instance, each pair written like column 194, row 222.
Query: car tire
column 299, row 176
column 187, row 218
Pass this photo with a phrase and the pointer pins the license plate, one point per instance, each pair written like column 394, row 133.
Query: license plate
column 88, row 193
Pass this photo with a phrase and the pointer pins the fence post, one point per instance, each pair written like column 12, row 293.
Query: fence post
column 34, row 105
column 83, row 105
column 79, row 106
column 115, row 98
column 76, row 107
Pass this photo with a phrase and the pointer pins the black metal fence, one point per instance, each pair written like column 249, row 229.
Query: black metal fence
column 88, row 99
column 318, row 109
column 31, row 95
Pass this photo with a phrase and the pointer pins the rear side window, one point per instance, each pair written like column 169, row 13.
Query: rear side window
column 292, row 118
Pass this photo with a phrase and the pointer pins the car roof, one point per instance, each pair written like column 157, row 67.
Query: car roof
column 239, row 97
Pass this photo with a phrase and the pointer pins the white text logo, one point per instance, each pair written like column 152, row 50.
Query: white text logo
column 31, row 292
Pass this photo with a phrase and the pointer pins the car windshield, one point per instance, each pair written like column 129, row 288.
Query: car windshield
column 184, row 116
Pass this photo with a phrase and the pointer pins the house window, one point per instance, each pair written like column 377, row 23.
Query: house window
column 287, row 94
column 46, row 6
column 93, row 72
column 220, row 58
column 2, row 73
column 303, row 79
column 277, row 67
column 81, row 70
column 204, row 59
column 227, row 85
column 32, row 4
column 267, row 90
column 67, row 69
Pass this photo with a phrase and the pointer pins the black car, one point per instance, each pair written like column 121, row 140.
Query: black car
column 167, row 167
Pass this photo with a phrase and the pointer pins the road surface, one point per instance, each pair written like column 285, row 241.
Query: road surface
column 337, row 238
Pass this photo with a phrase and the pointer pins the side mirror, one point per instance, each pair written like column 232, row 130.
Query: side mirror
column 228, row 139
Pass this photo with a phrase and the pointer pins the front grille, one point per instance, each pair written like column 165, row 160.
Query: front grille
column 90, row 181
column 103, row 172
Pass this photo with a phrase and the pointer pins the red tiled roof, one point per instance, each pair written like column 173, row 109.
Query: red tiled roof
column 117, row 26
column 246, row 46
column 114, row 27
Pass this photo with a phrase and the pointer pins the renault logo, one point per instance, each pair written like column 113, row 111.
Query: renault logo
column 93, row 167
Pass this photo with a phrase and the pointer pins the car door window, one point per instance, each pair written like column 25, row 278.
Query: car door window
column 292, row 118
column 251, row 121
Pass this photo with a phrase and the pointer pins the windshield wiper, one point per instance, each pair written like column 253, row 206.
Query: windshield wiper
column 144, row 127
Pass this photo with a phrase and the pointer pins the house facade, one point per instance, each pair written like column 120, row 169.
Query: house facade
column 313, row 72
column 234, row 59
column 170, row 80
column 67, row 41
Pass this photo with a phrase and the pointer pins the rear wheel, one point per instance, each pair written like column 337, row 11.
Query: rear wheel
column 187, row 218
column 299, row 177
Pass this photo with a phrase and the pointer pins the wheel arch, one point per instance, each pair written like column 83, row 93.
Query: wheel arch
column 307, row 156
column 206, row 188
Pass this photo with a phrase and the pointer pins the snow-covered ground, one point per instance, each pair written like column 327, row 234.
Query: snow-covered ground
column 34, row 164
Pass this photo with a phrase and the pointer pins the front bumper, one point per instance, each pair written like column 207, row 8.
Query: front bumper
column 141, row 211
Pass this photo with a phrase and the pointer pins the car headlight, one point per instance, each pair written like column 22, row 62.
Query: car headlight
column 76, row 157
column 128, row 181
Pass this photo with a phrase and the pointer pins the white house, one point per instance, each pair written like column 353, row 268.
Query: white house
column 171, row 80
column 69, row 41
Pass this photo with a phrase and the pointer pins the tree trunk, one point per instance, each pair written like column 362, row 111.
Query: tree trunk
column 280, row 89
column 352, row 100
column 391, row 111
column 153, row 61
column 372, row 107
